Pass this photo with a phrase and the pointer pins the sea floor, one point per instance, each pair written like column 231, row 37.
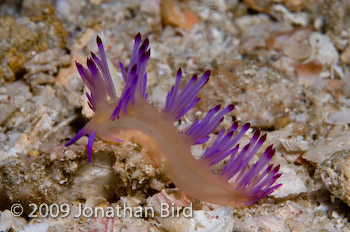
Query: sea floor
column 283, row 64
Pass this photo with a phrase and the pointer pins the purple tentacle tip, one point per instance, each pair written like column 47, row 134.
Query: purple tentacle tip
column 80, row 134
column 138, row 38
column 98, row 40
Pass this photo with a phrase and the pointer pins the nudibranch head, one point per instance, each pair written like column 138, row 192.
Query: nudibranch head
column 239, row 182
column 102, row 98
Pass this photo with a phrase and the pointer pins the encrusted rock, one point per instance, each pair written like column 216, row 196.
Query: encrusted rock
column 295, row 144
column 293, row 182
column 12, row 97
column 335, row 172
column 9, row 222
column 23, row 37
column 325, row 148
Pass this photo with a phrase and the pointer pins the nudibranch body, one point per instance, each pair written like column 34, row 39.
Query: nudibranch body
column 130, row 117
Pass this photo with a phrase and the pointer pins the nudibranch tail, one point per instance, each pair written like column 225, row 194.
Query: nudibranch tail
column 240, row 183
column 254, row 180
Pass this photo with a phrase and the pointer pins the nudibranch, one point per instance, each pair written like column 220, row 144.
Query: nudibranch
column 129, row 116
